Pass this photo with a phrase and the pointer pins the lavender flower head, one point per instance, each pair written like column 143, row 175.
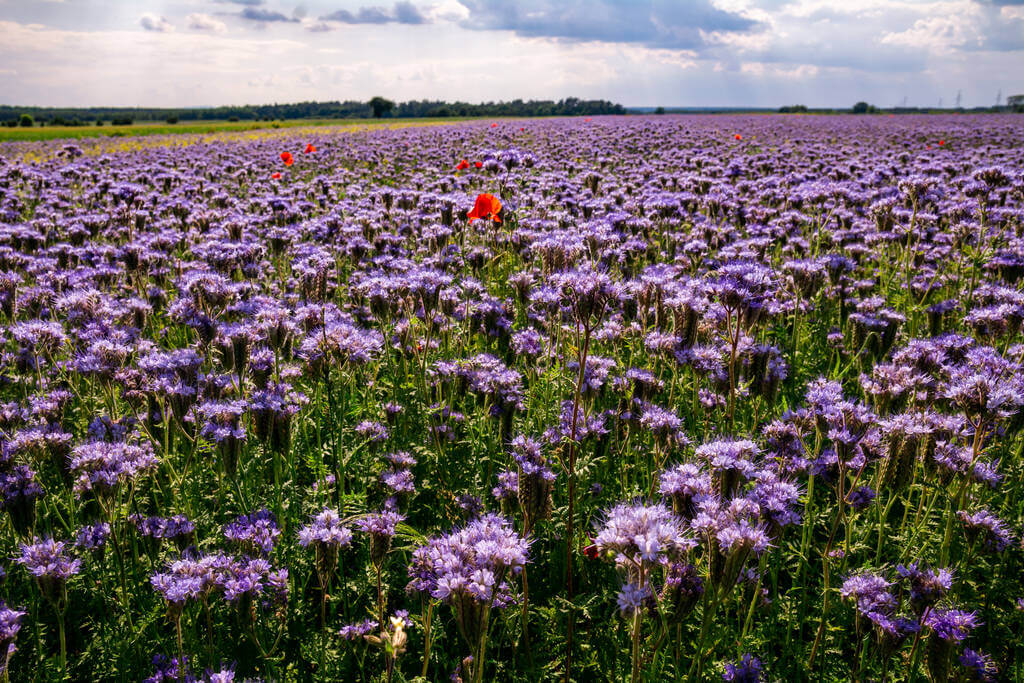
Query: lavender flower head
column 952, row 625
column 47, row 560
column 747, row 670
column 641, row 534
column 10, row 625
column 254, row 532
column 326, row 529
column 381, row 526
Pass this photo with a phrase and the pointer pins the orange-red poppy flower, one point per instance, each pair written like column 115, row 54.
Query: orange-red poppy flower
column 941, row 143
column 494, row 125
column 463, row 165
column 275, row 176
column 478, row 164
column 591, row 551
column 588, row 119
column 310, row 148
column 486, row 206
column 521, row 130
column 287, row 158
column 738, row 136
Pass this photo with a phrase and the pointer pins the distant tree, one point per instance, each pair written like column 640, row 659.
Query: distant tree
column 862, row 108
column 659, row 110
column 233, row 119
column 793, row 109
column 172, row 119
column 381, row 106
column 25, row 121
column 122, row 121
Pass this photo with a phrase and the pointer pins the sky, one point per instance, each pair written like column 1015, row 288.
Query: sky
column 765, row 53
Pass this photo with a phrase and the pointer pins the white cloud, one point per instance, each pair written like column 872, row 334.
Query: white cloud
column 204, row 22
column 152, row 22
column 815, row 52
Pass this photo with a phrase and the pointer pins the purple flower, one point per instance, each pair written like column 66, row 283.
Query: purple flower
column 985, row 527
column 46, row 559
column 632, row 598
column 927, row 587
column 979, row 666
column 357, row 630
column 951, row 625
column 326, row 529
column 870, row 593
column 10, row 625
column 92, row 537
column 101, row 466
column 648, row 534
column 747, row 670
column 254, row 532
column 381, row 526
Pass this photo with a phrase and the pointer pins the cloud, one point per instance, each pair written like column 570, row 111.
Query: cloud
column 152, row 22
column 204, row 22
column 973, row 27
column 403, row 13
column 654, row 23
column 406, row 13
column 248, row 3
column 265, row 16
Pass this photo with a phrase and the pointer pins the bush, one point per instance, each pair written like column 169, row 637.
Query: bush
column 122, row 121
column 172, row 119
column 26, row 121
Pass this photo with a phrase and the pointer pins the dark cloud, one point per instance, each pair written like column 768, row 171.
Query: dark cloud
column 998, row 34
column 406, row 13
column 248, row 3
column 152, row 22
column 265, row 16
column 403, row 13
column 655, row 23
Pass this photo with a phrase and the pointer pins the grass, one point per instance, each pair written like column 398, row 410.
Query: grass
column 193, row 127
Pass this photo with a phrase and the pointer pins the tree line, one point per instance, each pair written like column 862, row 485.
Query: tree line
column 378, row 107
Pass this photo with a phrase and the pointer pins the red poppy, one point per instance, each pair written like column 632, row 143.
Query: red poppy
column 310, row 149
column 486, row 206
column 478, row 164
column 521, row 130
column 494, row 125
column 463, row 165
column 738, row 136
column 588, row 119
column 591, row 551
column 287, row 158
column 275, row 176
column 941, row 143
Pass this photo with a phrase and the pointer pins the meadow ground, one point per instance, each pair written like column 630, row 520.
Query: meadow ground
column 616, row 398
column 196, row 128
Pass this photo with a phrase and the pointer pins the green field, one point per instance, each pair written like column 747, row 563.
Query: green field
column 192, row 127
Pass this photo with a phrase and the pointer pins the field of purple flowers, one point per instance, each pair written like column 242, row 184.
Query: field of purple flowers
column 666, row 398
